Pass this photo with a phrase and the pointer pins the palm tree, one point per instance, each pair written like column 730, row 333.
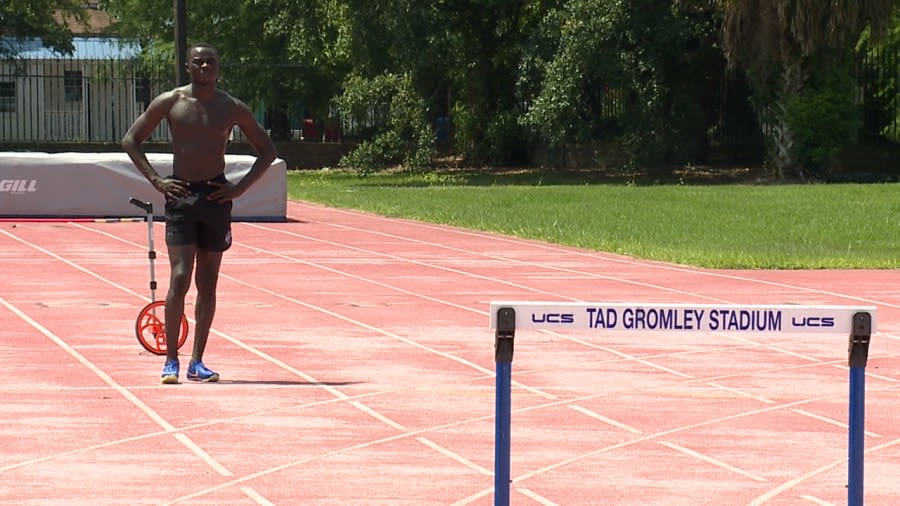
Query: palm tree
column 777, row 41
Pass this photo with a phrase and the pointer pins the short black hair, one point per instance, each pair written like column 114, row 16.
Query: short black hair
column 198, row 45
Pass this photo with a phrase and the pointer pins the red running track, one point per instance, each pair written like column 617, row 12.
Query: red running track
column 358, row 368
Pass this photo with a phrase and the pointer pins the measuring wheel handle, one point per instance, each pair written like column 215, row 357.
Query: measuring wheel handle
column 150, row 326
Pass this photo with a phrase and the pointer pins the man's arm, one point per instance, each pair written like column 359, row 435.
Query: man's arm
column 140, row 130
column 261, row 142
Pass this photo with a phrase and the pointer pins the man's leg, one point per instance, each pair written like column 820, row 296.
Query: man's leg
column 207, row 277
column 181, row 262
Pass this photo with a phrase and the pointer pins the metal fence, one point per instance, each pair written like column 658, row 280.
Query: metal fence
column 68, row 100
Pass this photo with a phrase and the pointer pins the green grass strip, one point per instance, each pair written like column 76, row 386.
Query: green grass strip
column 810, row 226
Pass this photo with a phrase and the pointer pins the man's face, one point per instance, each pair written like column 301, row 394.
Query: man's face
column 203, row 65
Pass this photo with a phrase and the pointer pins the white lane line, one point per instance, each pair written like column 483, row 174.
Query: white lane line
column 372, row 328
column 642, row 361
column 331, row 453
column 455, row 456
column 608, row 421
column 474, row 497
column 785, row 351
column 378, row 416
column 741, row 393
column 713, row 461
column 73, row 264
column 811, row 359
column 658, row 435
column 321, row 309
column 256, row 496
column 507, row 260
column 543, row 501
column 193, row 447
column 106, row 378
column 187, row 428
column 816, row 500
column 764, row 498
column 595, row 255
column 830, row 421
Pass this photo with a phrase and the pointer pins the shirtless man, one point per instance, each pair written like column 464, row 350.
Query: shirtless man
column 198, row 196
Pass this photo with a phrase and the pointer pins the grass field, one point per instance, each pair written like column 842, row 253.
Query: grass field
column 790, row 226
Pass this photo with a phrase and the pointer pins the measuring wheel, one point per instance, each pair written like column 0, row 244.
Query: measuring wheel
column 150, row 328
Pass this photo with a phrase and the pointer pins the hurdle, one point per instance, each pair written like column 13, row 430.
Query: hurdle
column 508, row 316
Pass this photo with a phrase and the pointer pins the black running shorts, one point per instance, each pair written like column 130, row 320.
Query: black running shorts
column 196, row 220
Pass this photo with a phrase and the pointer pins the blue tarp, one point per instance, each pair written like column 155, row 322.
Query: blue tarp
column 86, row 48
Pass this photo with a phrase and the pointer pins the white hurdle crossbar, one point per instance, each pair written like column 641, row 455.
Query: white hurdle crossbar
column 509, row 316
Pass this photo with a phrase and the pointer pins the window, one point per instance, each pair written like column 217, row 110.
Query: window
column 72, row 85
column 7, row 96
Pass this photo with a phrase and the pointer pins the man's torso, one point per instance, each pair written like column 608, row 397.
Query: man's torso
column 200, row 132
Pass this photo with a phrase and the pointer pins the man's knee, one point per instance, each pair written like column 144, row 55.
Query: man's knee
column 180, row 280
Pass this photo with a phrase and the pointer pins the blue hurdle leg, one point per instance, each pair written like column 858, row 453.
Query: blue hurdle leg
column 501, row 434
column 857, row 436
column 503, row 352
column 859, row 354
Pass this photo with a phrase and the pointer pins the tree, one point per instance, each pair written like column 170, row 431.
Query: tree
column 256, row 60
column 484, row 49
column 38, row 18
column 400, row 132
column 782, row 44
column 642, row 72
column 460, row 57
column 882, row 96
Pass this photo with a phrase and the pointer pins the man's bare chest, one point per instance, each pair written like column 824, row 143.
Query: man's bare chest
column 197, row 117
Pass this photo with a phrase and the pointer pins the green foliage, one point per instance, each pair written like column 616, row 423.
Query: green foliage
column 466, row 128
column 882, row 54
column 512, row 76
column 374, row 154
column 146, row 22
column 259, row 63
column 482, row 42
column 823, row 118
column 573, row 47
column 795, row 39
column 639, row 70
column 34, row 18
column 393, row 120
column 497, row 138
column 504, row 138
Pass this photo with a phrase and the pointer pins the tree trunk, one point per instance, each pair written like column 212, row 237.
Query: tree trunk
column 780, row 134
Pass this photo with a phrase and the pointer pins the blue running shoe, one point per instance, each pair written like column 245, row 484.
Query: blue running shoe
column 198, row 372
column 169, row 374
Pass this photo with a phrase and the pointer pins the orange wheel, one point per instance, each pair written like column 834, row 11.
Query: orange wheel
column 150, row 328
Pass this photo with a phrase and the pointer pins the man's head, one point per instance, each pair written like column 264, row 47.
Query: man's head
column 202, row 62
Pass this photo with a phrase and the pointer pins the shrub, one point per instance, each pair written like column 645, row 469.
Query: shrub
column 823, row 118
column 391, row 119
